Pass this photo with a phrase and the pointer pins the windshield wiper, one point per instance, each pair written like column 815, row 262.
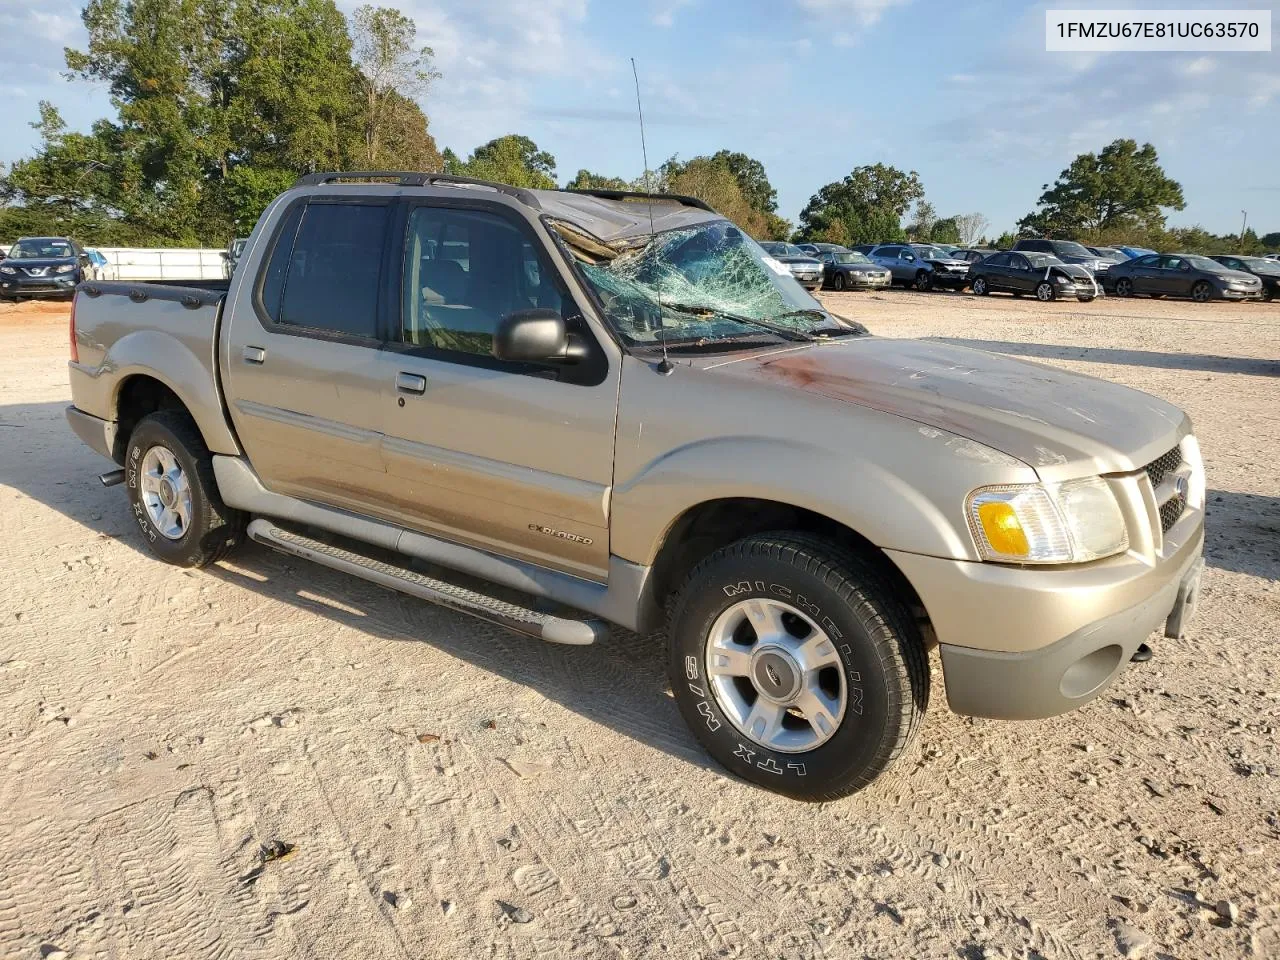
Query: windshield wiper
column 782, row 330
column 840, row 329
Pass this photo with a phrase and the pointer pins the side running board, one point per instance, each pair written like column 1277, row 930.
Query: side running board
column 543, row 626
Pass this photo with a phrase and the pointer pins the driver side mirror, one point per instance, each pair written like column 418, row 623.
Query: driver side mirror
column 536, row 336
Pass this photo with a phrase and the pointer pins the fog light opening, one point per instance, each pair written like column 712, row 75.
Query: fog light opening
column 1091, row 671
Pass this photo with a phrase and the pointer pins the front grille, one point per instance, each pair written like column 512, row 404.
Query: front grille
column 1156, row 471
column 1171, row 510
column 1161, row 467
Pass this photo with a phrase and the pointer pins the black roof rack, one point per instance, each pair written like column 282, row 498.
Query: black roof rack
column 416, row 178
column 641, row 195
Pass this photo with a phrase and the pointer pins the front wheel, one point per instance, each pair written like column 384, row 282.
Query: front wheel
column 796, row 665
column 1202, row 292
column 173, row 494
column 838, row 282
column 923, row 281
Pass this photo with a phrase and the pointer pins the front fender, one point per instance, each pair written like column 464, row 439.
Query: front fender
column 883, row 507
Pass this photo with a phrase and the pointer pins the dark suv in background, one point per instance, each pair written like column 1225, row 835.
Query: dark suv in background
column 42, row 267
column 1068, row 251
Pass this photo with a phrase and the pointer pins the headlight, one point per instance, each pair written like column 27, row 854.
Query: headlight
column 1070, row 522
column 1063, row 278
column 8, row 271
column 65, row 268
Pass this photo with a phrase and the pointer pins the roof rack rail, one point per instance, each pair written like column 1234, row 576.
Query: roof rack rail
column 641, row 195
column 417, row 178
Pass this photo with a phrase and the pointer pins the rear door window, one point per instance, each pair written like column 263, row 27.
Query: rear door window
column 330, row 277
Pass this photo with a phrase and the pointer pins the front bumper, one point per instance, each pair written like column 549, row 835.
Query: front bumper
column 863, row 281
column 809, row 280
column 99, row 434
column 20, row 286
column 1021, row 643
column 1229, row 294
column 952, row 281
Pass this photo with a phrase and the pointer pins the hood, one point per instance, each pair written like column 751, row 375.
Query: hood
column 1063, row 424
column 37, row 261
column 1232, row 274
column 792, row 258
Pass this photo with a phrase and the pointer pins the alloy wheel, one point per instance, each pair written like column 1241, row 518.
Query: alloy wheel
column 776, row 675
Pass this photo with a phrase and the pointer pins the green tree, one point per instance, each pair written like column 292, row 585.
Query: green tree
column 946, row 230
column 752, row 179
column 1271, row 241
column 1121, row 187
column 512, row 159
column 712, row 182
column 869, row 202
column 1006, row 240
column 586, row 180
column 921, row 226
column 393, row 72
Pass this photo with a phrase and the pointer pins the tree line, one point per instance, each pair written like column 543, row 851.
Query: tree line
column 221, row 105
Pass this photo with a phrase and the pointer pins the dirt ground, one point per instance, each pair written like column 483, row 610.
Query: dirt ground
column 450, row 790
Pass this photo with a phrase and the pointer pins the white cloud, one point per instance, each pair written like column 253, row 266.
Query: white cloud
column 863, row 13
column 491, row 54
column 664, row 14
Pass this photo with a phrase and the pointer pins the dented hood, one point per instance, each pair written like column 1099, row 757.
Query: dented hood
column 1061, row 423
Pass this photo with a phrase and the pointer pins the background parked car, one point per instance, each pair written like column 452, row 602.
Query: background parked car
column 42, row 266
column 972, row 254
column 804, row 267
column 1041, row 274
column 813, row 249
column 864, row 248
column 922, row 265
column 1183, row 275
column 1068, row 251
column 849, row 270
column 1114, row 254
column 99, row 268
column 1268, row 271
column 1132, row 252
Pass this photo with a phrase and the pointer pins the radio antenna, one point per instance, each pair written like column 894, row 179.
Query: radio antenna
column 665, row 366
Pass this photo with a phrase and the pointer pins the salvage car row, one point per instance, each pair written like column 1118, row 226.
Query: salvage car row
column 1045, row 269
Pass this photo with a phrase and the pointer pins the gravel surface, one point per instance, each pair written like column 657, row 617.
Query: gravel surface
column 265, row 759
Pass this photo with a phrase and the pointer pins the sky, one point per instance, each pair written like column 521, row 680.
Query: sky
column 960, row 91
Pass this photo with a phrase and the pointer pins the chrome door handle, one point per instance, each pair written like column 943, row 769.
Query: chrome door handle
column 411, row 383
column 253, row 355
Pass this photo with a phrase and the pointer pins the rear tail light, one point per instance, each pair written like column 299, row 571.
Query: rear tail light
column 75, row 350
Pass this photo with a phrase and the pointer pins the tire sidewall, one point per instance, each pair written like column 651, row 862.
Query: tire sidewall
column 870, row 700
column 188, row 550
column 981, row 287
column 1040, row 286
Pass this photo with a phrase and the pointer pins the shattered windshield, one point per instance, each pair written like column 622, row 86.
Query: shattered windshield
column 702, row 284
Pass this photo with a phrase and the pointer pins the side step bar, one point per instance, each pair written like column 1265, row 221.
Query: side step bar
column 543, row 626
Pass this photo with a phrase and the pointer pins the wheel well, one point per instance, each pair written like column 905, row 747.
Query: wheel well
column 717, row 523
column 140, row 395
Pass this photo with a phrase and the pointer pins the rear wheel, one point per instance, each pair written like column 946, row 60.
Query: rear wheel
column 980, row 286
column 175, row 500
column 796, row 665
column 1202, row 292
column 1124, row 287
column 1044, row 291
